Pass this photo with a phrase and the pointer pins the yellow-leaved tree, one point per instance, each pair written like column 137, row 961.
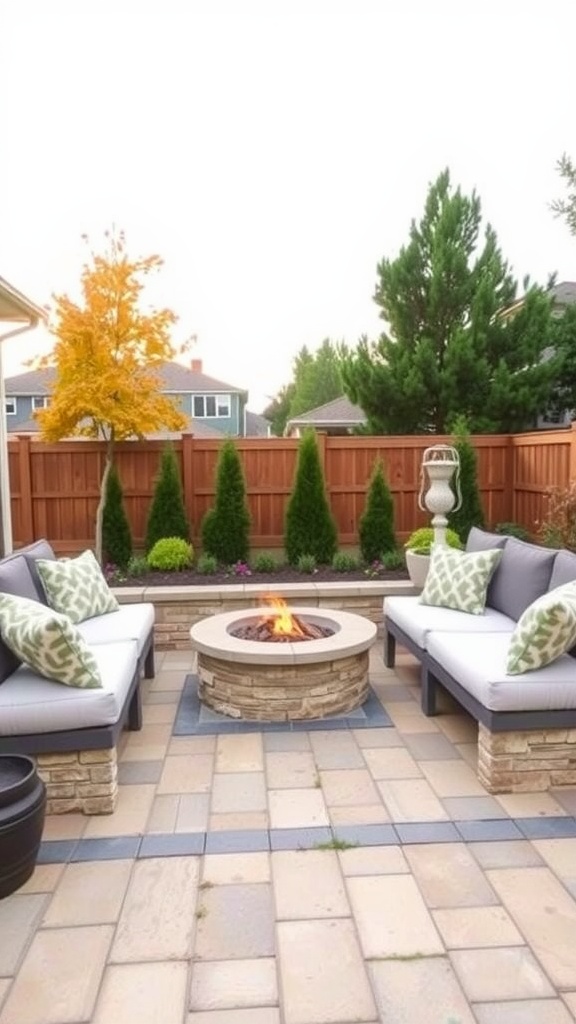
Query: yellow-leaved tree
column 106, row 356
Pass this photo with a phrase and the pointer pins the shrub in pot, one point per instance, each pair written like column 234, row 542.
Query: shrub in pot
column 417, row 549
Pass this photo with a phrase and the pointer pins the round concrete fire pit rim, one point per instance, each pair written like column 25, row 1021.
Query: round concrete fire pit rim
column 352, row 635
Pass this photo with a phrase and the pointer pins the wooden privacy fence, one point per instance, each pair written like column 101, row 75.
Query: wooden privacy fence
column 55, row 487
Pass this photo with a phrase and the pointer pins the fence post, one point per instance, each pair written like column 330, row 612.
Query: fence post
column 509, row 482
column 572, row 457
column 188, row 476
column 26, row 518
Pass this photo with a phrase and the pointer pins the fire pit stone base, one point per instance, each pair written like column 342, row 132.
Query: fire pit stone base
column 279, row 682
column 284, row 693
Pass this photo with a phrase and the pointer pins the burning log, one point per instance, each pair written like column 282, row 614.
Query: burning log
column 264, row 631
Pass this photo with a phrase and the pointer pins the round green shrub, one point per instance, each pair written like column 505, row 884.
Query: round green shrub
column 265, row 563
column 207, row 565
column 307, row 564
column 421, row 541
column 344, row 562
column 171, row 554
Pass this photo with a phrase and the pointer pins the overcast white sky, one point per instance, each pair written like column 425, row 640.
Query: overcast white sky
column 273, row 152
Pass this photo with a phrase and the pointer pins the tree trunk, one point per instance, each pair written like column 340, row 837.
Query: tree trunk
column 102, row 501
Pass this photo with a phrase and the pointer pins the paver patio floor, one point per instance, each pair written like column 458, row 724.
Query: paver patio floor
column 316, row 877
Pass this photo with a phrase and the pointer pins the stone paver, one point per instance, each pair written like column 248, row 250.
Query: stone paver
column 424, row 990
column 231, row 984
column 324, row 980
column 354, row 787
column 474, row 927
column 539, row 1011
column 251, row 934
column 242, row 753
column 392, row 918
column 187, row 774
column 60, row 977
column 546, row 915
column 235, row 868
column 19, row 916
column 143, row 994
column 255, row 1015
column 411, row 800
column 88, row 896
column 492, row 975
column 238, row 792
column 157, row 920
column 308, row 884
column 290, row 769
column 296, row 808
column 448, row 876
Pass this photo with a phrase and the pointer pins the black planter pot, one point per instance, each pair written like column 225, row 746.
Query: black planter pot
column 22, row 811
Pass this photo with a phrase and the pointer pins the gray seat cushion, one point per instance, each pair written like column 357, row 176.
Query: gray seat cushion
column 30, row 704
column 478, row 662
column 418, row 620
column 129, row 622
column 522, row 575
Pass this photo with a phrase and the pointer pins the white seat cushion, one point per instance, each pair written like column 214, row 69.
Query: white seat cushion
column 31, row 704
column 478, row 663
column 418, row 620
column 130, row 622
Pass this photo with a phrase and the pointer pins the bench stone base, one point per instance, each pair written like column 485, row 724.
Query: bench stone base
column 526, row 762
column 80, row 780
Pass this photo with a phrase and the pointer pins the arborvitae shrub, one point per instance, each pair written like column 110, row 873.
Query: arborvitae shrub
column 376, row 526
column 167, row 515
column 470, row 513
column 310, row 528
column 116, row 536
column 226, row 526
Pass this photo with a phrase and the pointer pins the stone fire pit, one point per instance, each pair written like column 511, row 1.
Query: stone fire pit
column 288, row 681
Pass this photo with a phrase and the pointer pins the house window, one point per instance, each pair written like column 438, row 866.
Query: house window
column 207, row 406
column 10, row 406
column 39, row 401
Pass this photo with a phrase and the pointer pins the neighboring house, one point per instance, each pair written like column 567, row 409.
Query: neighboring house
column 337, row 417
column 214, row 409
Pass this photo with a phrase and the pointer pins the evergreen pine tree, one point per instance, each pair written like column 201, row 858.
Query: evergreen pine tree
column 310, row 528
column 167, row 514
column 376, row 527
column 447, row 349
column 470, row 512
column 226, row 526
column 116, row 536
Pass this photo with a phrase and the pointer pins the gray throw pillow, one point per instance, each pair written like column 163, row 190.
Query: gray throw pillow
column 482, row 540
column 563, row 570
column 522, row 576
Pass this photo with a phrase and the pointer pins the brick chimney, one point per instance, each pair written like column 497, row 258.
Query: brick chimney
column 196, row 366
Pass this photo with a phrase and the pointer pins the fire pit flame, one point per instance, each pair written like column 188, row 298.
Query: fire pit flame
column 283, row 622
column 280, row 626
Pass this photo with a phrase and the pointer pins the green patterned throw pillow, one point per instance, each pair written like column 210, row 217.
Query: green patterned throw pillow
column 546, row 630
column 48, row 642
column 459, row 579
column 76, row 587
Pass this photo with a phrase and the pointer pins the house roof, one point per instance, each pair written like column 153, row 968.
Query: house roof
column 175, row 377
column 256, row 425
column 564, row 293
column 16, row 308
column 340, row 412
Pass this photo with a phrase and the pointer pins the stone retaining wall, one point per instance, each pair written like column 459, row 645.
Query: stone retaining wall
column 177, row 609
